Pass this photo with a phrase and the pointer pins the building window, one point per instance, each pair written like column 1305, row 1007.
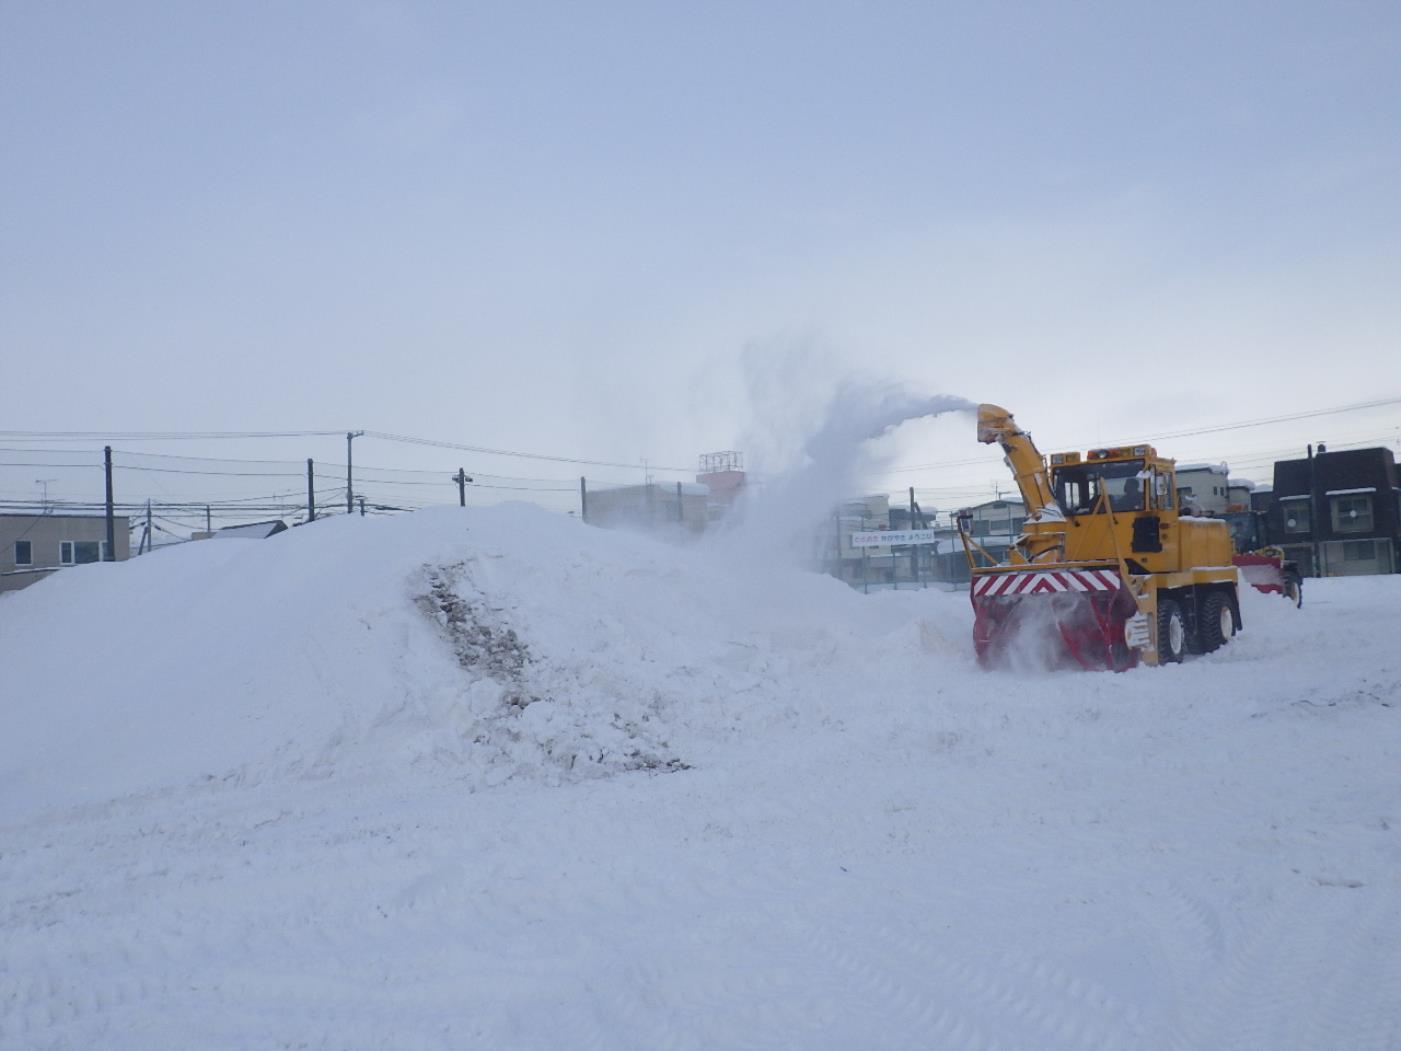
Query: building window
column 1352, row 514
column 24, row 553
column 1296, row 516
column 1359, row 550
column 80, row 552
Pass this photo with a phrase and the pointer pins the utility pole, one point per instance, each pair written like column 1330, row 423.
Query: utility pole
column 1313, row 513
column 111, row 519
column 865, row 559
column 45, row 483
column 461, row 478
column 208, row 524
column 150, row 540
column 583, row 500
column 680, row 508
column 310, row 491
column 914, row 548
column 350, row 436
column 837, row 547
column 362, row 505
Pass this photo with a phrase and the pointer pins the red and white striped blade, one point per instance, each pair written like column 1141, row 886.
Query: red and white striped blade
column 995, row 585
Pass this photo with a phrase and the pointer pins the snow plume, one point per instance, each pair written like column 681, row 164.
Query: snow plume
column 808, row 462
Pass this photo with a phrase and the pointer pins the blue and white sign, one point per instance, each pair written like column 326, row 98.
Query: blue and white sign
column 893, row 538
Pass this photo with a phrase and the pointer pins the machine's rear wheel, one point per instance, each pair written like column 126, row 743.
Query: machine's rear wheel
column 1172, row 632
column 1217, row 622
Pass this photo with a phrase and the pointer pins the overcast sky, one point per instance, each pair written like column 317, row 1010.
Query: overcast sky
column 624, row 231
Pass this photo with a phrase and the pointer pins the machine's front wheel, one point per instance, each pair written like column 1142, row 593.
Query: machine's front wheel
column 1172, row 632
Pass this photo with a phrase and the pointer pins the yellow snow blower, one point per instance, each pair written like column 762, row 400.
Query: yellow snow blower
column 1106, row 567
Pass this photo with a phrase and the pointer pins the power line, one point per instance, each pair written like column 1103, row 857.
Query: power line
column 477, row 485
column 206, row 459
column 410, row 440
column 153, row 436
column 337, row 467
column 26, row 463
column 29, row 449
column 374, row 475
column 212, row 474
column 292, row 498
column 65, row 436
column 1355, row 407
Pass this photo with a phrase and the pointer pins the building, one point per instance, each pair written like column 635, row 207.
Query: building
column 1242, row 495
column 723, row 475
column 671, row 507
column 1204, row 487
column 1337, row 513
column 994, row 525
column 683, row 506
column 33, row 546
column 844, row 560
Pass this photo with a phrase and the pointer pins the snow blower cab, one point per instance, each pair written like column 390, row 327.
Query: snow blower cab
column 1106, row 571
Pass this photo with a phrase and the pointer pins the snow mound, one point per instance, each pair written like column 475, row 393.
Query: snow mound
column 262, row 761
column 487, row 644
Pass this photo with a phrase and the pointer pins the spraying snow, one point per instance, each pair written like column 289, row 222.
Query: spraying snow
column 836, row 453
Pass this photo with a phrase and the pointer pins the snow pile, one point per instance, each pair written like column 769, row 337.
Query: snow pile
column 490, row 644
column 496, row 779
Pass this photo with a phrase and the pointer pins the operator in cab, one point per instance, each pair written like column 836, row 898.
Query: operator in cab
column 1130, row 498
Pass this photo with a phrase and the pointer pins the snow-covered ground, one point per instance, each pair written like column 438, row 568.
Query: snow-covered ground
column 493, row 779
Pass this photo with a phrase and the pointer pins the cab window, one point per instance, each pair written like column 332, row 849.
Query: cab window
column 1078, row 487
column 1162, row 485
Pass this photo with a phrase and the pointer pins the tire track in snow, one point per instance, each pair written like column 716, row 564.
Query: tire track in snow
column 1265, row 998
column 939, row 1012
column 1364, row 972
column 1190, row 940
column 956, row 1001
column 699, row 987
column 721, row 959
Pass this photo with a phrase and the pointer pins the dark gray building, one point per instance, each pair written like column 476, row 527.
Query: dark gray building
column 1337, row 513
column 34, row 545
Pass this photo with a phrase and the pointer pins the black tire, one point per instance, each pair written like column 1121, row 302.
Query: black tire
column 1196, row 644
column 1294, row 588
column 1172, row 632
column 1217, row 622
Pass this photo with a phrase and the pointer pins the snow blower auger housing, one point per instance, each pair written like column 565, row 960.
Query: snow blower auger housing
column 1106, row 571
